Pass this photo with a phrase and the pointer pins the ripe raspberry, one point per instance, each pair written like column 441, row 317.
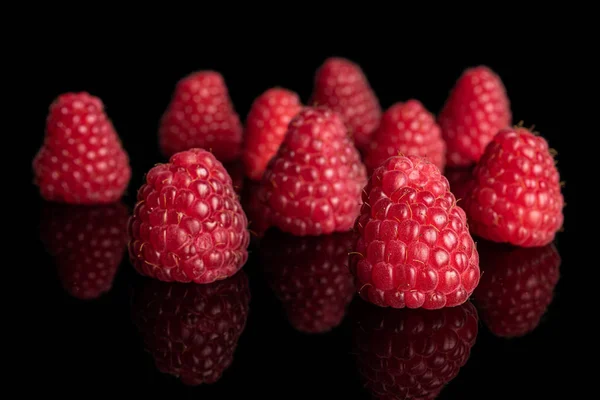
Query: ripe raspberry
column 342, row 86
column 201, row 115
column 475, row 111
column 515, row 195
column 516, row 286
column 266, row 126
column 188, row 224
column 87, row 244
column 460, row 181
column 312, row 186
column 81, row 160
column 191, row 331
column 310, row 276
column 409, row 129
column 413, row 248
column 413, row 354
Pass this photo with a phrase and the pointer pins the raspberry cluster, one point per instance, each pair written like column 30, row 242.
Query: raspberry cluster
column 345, row 198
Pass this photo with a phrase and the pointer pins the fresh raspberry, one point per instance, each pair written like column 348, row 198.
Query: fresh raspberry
column 460, row 181
column 515, row 196
column 188, row 224
column 266, row 126
column 476, row 109
column 191, row 331
column 310, row 276
column 201, row 115
column 87, row 243
column 516, row 286
column 312, row 186
column 81, row 160
column 413, row 248
column 409, row 129
column 413, row 354
column 342, row 86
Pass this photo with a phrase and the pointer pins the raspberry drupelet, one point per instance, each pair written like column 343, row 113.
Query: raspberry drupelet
column 188, row 224
column 413, row 248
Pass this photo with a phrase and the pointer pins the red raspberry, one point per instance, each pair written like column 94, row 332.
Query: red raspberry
column 201, row 115
column 188, row 224
column 266, row 126
column 191, row 331
column 475, row 111
column 342, row 86
column 515, row 196
column 310, row 276
column 81, row 160
column 413, row 248
column 87, row 244
column 516, row 286
column 409, row 129
column 413, row 354
column 312, row 186
column 460, row 181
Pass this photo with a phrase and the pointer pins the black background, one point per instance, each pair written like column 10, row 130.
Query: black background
column 87, row 348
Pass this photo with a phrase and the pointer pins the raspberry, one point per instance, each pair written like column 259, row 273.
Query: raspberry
column 266, row 126
column 188, row 224
column 409, row 129
column 413, row 354
column 310, row 276
column 413, row 248
column 312, row 186
column 342, row 86
column 87, row 243
column 515, row 196
column 476, row 109
column 81, row 160
column 459, row 180
column 191, row 331
column 201, row 115
column 516, row 286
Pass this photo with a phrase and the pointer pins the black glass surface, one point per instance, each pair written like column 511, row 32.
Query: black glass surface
column 127, row 335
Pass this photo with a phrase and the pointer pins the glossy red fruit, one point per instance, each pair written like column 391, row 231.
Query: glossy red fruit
column 310, row 276
column 266, row 126
column 201, row 115
column 313, row 185
column 406, row 129
column 188, row 224
column 476, row 109
column 515, row 196
column 517, row 286
column 192, row 331
column 342, row 86
column 81, row 160
column 412, row 248
column 412, row 354
column 87, row 244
